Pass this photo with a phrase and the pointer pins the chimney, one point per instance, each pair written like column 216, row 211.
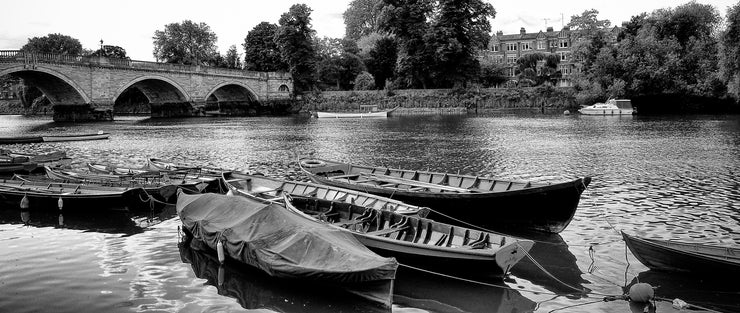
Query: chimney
column 499, row 33
column 522, row 31
column 549, row 29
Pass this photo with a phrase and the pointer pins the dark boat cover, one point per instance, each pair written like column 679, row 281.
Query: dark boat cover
column 280, row 242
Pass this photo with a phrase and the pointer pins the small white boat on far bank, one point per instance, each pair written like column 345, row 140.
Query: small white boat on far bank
column 611, row 107
column 366, row 111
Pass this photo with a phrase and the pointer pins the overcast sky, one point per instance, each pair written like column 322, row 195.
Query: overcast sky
column 131, row 24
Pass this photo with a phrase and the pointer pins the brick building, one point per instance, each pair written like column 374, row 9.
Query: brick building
column 506, row 50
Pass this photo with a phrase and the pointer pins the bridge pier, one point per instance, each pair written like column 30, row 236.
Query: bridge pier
column 82, row 113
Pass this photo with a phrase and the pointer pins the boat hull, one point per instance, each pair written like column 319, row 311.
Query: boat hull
column 76, row 137
column 383, row 114
column 131, row 200
column 616, row 111
column 548, row 209
column 660, row 256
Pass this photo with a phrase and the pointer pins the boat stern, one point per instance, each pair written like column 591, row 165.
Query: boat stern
column 510, row 254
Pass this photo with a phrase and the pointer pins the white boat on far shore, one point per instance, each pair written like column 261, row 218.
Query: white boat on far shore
column 611, row 107
column 366, row 111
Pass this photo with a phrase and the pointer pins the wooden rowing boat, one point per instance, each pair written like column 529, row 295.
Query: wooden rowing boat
column 461, row 199
column 53, row 138
column 165, row 165
column 16, row 162
column 418, row 241
column 284, row 244
column 115, row 170
column 677, row 256
column 273, row 189
column 77, row 197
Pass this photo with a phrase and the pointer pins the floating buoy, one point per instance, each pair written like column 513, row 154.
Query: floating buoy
column 24, row 202
column 60, row 203
column 566, row 112
column 220, row 252
column 61, row 220
column 641, row 292
column 229, row 193
column 25, row 216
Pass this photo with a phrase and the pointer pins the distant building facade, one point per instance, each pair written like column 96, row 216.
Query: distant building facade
column 507, row 49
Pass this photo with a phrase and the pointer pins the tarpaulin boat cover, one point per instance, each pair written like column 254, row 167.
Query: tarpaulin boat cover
column 280, row 242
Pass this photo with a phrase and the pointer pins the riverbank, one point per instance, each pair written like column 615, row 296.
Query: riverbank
column 445, row 101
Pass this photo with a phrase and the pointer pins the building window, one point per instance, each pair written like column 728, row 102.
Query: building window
column 525, row 46
column 283, row 88
column 510, row 47
column 511, row 59
column 494, row 48
column 553, row 44
column 499, row 59
column 563, row 43
column 512, row 72
column 541, row 45
column 565, row 70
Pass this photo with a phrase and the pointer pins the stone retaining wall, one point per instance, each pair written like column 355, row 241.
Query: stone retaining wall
column 445, row 101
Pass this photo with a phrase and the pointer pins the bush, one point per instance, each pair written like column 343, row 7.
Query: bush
column 364, row 81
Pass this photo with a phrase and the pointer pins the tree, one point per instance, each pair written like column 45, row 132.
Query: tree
column 362, row 18
column 294, row 39
column 381, row 60
column 460, row 30
column 730, row 51
column 111, row 52
column 53, row 43
column 590, row 36
column 407, row 21
column 185, row 43
column 338, row 64
column 232, row 58
column 261, row 52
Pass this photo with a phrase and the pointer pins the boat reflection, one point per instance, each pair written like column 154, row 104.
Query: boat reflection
column 114, row 222
column 433, row 293
column 551, row 251
column 716, row 293
column 254, row 289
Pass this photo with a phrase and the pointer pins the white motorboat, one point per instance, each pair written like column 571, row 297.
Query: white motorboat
column 611, row 107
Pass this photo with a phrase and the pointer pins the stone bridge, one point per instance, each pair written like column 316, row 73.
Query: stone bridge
column 87, row 88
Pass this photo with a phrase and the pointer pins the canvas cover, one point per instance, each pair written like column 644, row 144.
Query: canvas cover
column 279, row 242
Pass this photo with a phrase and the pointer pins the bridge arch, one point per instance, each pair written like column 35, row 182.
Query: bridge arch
column 157, row 89
column 232, row 91
column 57, row 87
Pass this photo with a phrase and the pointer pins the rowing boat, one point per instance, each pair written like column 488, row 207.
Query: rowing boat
column 366, row 111
column 273, row 189
column 116, row 170
column 53, row 138
column 284, row 244
column 165, row 165
column 16, row 162
column 419, row 241
column 677, row 256
column 461, row 199
column 77, row 197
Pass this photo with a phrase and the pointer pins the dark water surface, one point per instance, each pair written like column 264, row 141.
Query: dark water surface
column 665, row 177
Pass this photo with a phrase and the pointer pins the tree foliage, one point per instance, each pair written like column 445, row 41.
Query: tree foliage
column 185, row 43
column 364, row 81
column 337, row 65
column 294, row 40
column 407, row 21
column 362, row 18
column 261, row 52
column 55, row 44
column 111, row 52
column 232, row 58
column 730, row 51
column 381, row 61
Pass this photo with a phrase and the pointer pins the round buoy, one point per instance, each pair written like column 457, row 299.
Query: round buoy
column 24, row 202
column 220, row 252
column 312, row 163
column 230, row 193
column 641, row 292
column 566, row 112
column 60, row 203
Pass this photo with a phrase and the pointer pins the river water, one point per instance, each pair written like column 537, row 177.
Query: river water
column 666, row 177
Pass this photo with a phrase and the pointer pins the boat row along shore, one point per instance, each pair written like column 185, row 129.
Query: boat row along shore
column 346, row 225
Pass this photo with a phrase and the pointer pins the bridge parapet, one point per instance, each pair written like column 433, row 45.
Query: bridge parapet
column 28, row 58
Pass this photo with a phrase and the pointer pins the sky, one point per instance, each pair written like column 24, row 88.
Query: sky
column 131, row 24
